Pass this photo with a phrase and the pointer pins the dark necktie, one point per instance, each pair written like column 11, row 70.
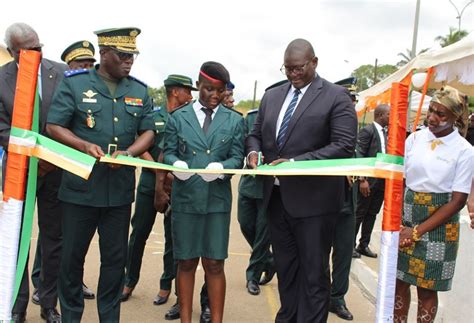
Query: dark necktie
column 286, row 118
column 208, row 119
column 385, row 139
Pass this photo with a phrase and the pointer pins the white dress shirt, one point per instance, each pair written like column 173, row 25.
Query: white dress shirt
column 381, row 136
column 286, row 103
column 197, row 106
column 443, row 166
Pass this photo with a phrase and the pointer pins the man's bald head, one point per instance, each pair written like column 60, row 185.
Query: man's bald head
column 301, row 47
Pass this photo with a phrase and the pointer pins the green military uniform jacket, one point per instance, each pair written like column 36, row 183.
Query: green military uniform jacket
column 146, row 184
column 83, row 104
column 251, row 186
column 224, row 143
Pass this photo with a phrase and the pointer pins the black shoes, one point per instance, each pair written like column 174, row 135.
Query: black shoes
column 355, row 254
column 88, row 293
column 160, row 300
column 51, row 315
column 341, row 311
column 205, row 314
column 253, row 288
column 35, row 298
column 173, row 312
column 267, row 276
column 18, row 317
column 366, row 252
column 126, row 293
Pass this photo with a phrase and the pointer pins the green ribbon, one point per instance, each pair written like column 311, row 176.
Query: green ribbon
column 29, row 208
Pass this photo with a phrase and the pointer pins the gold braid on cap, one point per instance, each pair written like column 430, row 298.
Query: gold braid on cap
column 127, row 43
column 456, row 102
column 77, row 53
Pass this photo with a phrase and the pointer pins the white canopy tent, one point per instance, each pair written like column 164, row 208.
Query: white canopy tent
column 452, row 65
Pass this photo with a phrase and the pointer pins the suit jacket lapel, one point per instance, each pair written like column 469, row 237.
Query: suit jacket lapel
column 122, row 87
column 310, row 95
column 220, row 118
column 273, row 111
column 190, row 117
column 99, row 85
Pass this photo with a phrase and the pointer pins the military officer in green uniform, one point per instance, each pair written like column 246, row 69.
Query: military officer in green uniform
column 253, row 222
column 203, row 134
column 178, row 92
column 77, row 56
column 95, row 111
column 343, row 239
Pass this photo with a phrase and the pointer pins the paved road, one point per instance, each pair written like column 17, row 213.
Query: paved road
column 240, row 306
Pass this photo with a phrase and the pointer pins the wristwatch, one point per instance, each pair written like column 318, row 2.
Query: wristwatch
column 128, row 153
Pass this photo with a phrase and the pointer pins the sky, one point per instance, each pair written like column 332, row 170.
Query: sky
column 249, row 37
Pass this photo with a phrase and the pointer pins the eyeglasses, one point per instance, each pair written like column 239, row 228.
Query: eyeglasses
column 286, row 70
column 36, row 49
column 124, row 56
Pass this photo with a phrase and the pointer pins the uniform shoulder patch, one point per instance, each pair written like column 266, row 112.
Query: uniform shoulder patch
column 137, row 80
column 252, row 111
column 233, row 110
column 70, row 73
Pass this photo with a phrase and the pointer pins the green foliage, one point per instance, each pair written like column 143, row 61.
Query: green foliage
column 246, row 105
column 454, row 35
column 406, row 57
column 365, row 74
column 158, row 95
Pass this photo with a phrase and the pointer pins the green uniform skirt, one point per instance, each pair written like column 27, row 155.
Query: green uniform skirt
column 429, row 263
column 200, row 235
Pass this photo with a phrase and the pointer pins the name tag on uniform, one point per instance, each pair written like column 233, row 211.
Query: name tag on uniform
column 134, row 102
column 159, row 123
column 89, row 97
column 88, row 100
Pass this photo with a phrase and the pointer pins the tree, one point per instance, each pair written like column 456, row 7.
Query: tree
column 453, row 36
column 365, row 74
column 406, row 57
column 158, row 95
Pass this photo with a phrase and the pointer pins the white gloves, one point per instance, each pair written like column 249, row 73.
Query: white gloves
column 212, row 177
column 181, row 175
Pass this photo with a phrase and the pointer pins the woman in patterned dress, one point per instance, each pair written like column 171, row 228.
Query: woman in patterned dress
column 438, row 173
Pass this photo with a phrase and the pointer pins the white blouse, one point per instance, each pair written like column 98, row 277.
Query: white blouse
column 438, row 165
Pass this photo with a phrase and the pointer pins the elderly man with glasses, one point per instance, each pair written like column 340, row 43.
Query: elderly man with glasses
column 98, row 111
column 17, row 37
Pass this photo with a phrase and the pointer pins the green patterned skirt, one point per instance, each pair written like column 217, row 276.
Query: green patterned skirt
column 430, row 262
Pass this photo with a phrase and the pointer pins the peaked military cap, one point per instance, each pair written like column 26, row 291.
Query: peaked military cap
column 121, row 39
column 180, row 81
column 77, row 51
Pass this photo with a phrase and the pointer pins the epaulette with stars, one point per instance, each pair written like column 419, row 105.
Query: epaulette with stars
column 137, row 80
column 233, row 110
column 70, row 73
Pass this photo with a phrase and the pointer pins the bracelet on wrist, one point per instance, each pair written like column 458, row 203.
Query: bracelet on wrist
column 128, row 153
column 415, row 236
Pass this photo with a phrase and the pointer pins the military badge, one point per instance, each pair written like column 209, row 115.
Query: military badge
column 136, row 102
column 90, row 120
column 89, row 97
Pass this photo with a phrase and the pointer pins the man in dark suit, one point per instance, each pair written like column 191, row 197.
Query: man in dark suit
column 371, row 140
column 308, row 119
column 21, row 36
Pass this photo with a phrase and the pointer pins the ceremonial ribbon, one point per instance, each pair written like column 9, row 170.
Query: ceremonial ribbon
column 33, row 144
